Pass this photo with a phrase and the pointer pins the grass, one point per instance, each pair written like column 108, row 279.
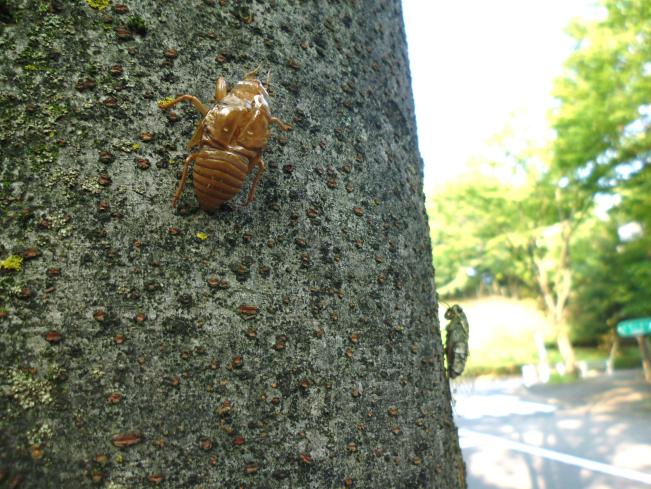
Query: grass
column 511, row 360
column 557, row 379
column 503, row 334
column 628, row 357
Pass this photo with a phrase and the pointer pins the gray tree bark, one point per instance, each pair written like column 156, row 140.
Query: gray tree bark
column 295, row 343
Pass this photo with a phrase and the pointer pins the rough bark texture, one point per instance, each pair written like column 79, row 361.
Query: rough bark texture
column 127, row 357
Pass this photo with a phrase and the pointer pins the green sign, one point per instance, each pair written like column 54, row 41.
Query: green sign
column 634, row 327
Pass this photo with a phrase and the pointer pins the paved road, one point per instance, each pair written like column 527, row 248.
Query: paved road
column 594, row 434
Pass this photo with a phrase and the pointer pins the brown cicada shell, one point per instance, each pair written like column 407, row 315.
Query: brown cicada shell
column 230, row 140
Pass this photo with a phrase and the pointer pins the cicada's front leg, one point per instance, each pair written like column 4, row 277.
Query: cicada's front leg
column 185, row 98
column 275, row 120
column 279, row 123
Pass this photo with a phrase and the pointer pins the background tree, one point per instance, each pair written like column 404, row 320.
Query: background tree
column 293, row 343
column 541, row 228
column 603, row 145
column 603, row 98
column 512, row 236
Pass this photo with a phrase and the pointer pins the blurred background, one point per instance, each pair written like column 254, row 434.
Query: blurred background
column 534, row 126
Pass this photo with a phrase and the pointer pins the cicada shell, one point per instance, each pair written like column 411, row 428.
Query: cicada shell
column 229, row 141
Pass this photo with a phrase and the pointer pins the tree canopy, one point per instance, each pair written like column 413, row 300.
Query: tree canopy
column 603, row 110
column 569, row 224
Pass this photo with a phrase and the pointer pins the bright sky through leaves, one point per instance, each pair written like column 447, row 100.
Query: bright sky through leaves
column 474, row 63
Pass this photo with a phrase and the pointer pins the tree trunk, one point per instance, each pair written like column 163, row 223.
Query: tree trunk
column 556, row 296
column 563, row 287
column 291, row 343
column 614, row 349
column 645, row 355
column 565, row 348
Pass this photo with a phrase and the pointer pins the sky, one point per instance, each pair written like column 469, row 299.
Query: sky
column 475, row 63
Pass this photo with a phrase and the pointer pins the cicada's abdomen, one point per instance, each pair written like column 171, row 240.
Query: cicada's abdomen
column 218, row 176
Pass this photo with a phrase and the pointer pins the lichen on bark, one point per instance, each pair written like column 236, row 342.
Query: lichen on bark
column 291, row 343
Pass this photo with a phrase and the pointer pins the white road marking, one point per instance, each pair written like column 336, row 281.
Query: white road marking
column 471, row 438
column 498, row 405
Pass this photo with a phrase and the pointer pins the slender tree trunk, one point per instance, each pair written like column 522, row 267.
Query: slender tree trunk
column 565, row 347
column 557, row 295
column 563, row 287
column 614, row 349
column 556, row 316
column 646, row 356
column 291, row 343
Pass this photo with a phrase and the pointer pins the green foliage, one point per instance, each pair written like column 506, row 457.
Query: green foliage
column 604, row 113
column 486, row 232
column 468, row 218
column 628, row 357
column 613, row 279
column 596, row 298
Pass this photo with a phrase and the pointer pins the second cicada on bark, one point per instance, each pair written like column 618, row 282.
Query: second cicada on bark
column 230, row 139
column 456, row 340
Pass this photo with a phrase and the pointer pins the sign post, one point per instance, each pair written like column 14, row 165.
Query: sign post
column 639, row 328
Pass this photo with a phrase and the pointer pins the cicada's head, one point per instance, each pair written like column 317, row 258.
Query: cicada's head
column 252, row 90
column 453, row 312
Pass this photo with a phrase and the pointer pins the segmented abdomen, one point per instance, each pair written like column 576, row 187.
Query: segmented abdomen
column 218, row 175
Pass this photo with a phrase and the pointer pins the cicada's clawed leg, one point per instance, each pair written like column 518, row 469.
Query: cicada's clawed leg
column 184, row 177
column 253, row 73
column 183, row 98
column 267, row 82
column 279, row 123
column 275, row 120
column 261, row 169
